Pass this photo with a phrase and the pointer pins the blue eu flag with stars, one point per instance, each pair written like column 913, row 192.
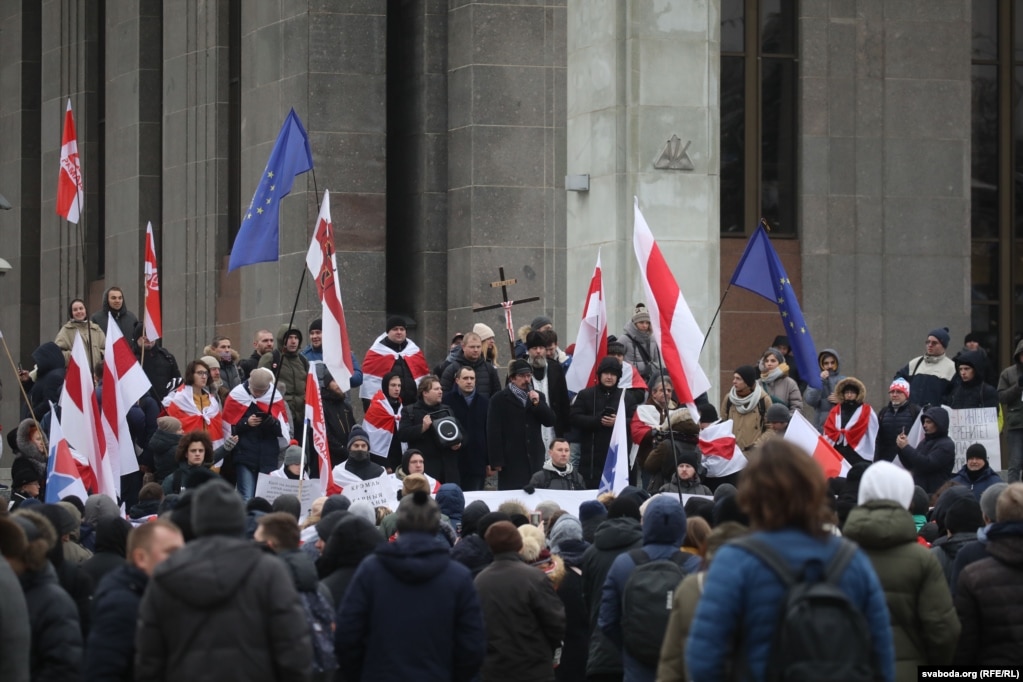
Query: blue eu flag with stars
column 760, row 271
column 258, row 240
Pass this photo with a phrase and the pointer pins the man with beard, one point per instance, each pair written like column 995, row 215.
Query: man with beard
column 517, row 413
column 549, row 380
column 262, row 343
column 291, row 368
column 228, row 357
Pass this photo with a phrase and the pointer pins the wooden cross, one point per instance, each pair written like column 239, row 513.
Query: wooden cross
column 506, row 304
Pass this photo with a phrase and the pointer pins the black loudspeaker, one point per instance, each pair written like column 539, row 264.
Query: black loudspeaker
column 446, row 429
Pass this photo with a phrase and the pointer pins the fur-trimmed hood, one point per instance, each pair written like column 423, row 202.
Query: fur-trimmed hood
column 212, row 352
column 855, row 383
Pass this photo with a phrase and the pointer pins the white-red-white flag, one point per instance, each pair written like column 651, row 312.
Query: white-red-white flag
column 721, row 456
column 81, row 419
column 124, row 383
column 672, row 323
column 70, row 189
column 154, row 317
column 322, row 263
column 802, row 433
column 591, row 340
column 318, row 426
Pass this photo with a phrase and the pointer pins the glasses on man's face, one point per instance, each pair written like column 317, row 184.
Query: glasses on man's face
column 202, row 374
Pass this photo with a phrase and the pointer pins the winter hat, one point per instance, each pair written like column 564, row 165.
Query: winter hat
column 637, row 495
column 701, row 507
column 210, row 361
column 541, row 321
column 98, row 507
column 776, row 353
column 293, row 455
column 748, row 374
column 60, row 517
column 418, row 512
column 885, row 481
column 688, row 455
column 365, row 510
column 76, row 516
column 519, row 366
column 591, row 509
column 777, row 413
column 989, row 500
column 258, row 504
column 316, row 325
column 335, row 503
column 900, row 385
column 615, row 347
column 288, row 503
column 170, row 425
column 964, row 516
column 414, row 483
column 196, row 477
column 536, row 340
column 976, row 451
column 624, row 507
column 24, row 476
column 640, row 314
column 358, row 433
column 502, row 536
column 610, row 365
column 328, row 522
column 394, row 321
column 727, row 509
column 217, row 509
column 724, row 490
column 472, row 516
column 941, row 334
column 568, row 527
column 483, row 331
column 921, row 502
column 709, row 413
column 664, row 522
column 533, row 542
column 487, row 520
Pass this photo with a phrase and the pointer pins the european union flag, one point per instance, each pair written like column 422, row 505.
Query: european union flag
column 258, row 240
column 760, row 271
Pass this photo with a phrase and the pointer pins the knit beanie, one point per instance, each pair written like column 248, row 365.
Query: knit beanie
column 640, row 314
column 624, row 507
column 568, row 527
column 316, row 325
column 358, row 433
column 418, row 513
column 365, row 510
column 636, row 494
column 885, row 481
column 217, row 509
column 471, row 517
column 976, row 451
column 900, row 385
column 292, row 455
column 394, row 321
column 288, row 503
column 591, row 509
column 487, row 520
column 724, row 490
column 989, row 500
column 503, row 536
column 483, row 331
column 170, row 425
column 540, row 321
column 777, row 413
column 708, row 413
column 941, row 334
column 210, row 361
column 748, row 374
column 335, row 503
column 610, row 365
column 964, row 516
column 536, row 340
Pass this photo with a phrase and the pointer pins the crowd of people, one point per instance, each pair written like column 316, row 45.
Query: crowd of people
column 631, row 587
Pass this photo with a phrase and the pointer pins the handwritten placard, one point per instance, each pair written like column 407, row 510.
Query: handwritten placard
column 980, row 425
column 379, row 492
column 271, row 487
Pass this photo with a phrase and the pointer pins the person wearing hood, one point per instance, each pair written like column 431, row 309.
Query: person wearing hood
column 557, row 472
column 924, row 623
column 776, row 382
column 525, row 620
column 826, row 397
column 962, row 518
column 593, row 413
column 640, row 348
column 47, row 383
column 896, row 417
column 415, row 578
column 930, row 375
column 111, row 548
column 291, row 368
column 977, row 474
column 686, row 479
column 358, row 466
column 352, row 540
column 931, row 462
column 1010, row 395
column 852, row 425
column 91, row 333
column 160, row 453
column 989, row 591
column 746, row 405
column 664, row 528
column 415, row 429
column 110, row 648
column 970, row 392
column 113, row 304
column 471, row 550
column 567, row 546
column 32, row 447
column 451, row 500
column 188, row 625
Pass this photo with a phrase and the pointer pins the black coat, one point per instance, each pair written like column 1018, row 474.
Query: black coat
column 595, row 438
column 987, row 600
column 487, row 380
column 56, row 634
column 110, row 653
column 221, row 608
column 931, row 463
column 472, row 456
column 514, row 441
column 353, row 539
column 49, row 380
column 161, row 367
column 550, row 479
column 890, row 423
column 258, row 447
column 159, row 454
column 524, row 617
column 440, row 462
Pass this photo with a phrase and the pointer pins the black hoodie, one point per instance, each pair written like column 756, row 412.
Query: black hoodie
column 354, row 538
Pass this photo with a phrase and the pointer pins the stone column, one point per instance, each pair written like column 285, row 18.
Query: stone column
column 628, row 97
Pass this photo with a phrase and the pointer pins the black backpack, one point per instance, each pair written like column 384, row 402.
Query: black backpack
column 320, row 615
column 820, row 634
column 646, row 604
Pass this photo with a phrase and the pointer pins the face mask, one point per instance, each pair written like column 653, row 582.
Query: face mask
column 358, row 455
column 226, row 355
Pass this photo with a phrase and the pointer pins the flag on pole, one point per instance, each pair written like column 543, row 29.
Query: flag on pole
column 721, row 456
column 803, row 434
column 62, row 474
column 322, row 263
column 154, row 318
column 81, row 419
column 317, row 424
column 70, row 189
column 760, row 271
column 591, row 340
column 616, row 467
column 258, row 240
column 671, row 322
column 124, row 383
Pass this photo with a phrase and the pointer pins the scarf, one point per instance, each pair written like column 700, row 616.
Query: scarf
column 747, row 404
column 381, row 423
column 380, row 359
column 523, row 396
column 859, row 432
column 239, row 400
column 181, row 405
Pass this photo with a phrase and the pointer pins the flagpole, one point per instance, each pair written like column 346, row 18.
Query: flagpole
column 301, row 471
column 142, row 354
column 21, row 385
column 714, row 319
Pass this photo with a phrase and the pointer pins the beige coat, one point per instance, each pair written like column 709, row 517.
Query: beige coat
column 94, row 338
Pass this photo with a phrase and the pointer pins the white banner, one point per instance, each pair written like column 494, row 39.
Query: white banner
column 569, row 500
column 271, row 487
column 980, row 425
column 379, row 492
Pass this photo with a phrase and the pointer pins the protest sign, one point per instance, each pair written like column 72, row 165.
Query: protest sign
column 980, row 425
column 271, row 487
column 379, row 492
